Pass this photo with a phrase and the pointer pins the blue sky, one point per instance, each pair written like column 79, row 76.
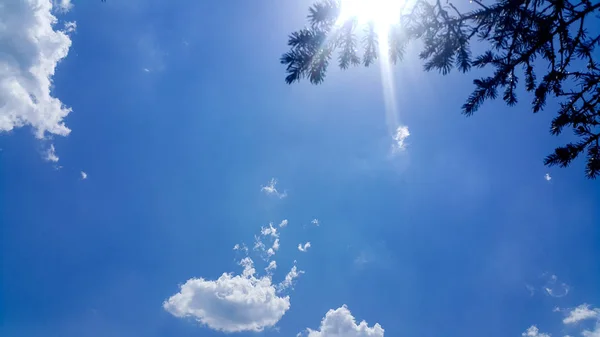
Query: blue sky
column 180, row 117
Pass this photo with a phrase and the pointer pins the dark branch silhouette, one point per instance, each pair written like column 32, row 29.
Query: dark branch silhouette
column 551, row 44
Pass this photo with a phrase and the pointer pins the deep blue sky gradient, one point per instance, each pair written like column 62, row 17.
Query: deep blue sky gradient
column 450, row 232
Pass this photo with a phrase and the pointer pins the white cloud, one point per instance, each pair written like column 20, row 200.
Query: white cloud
column 51, row 154
column 31, row 49
column 533, row 331
column 276, row 244
column 547, row 177
column 581, row 313
column 399, row 138
column 241, row 247
column 531, row 289
column 272, row 266
column 230, row 303
column 283, row 223
column 592, row 333
column 340, row 322
column 315, row 222
column 63, row 6
column 258, row 244
column 289, row 278
column 271, row 189
column 555, row 289
column 270, row 230
column 83, row 175
column 70, row 27
column 303, row 248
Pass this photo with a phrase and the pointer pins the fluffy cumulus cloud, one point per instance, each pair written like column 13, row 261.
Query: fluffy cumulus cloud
column 341, row 323
column 32, row 46
column 232, row 303
column 582, row 312
column 400, row 138
column 533, row 331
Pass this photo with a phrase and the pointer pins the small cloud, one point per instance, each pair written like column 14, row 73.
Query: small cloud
column 241, row 247
column 270, row 230
column 340, row 322
column 315, row 222
column 83, row 175
column 558, row 291
column 258, row 244
column 289, row 279
column 146, row 70
column 272, row 266
column 533, row 331
column 594, row 333
column 399, row 138
column 531, row 289
column 70, row 27
column 581, row 313
column 547, row 177
column 51, row 154
column 303, row 248
column 271, row 189
column 283, row 223
column 62, row 6
column 554, row 288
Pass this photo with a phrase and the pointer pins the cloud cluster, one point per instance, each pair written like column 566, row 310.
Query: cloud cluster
column 574, row 316
column 243, row 302
column 31, row 49
column 340, row 322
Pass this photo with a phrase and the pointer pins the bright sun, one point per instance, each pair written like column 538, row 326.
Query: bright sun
column 383, row 13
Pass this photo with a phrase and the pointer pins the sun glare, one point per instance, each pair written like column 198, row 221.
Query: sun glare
column 383, row 13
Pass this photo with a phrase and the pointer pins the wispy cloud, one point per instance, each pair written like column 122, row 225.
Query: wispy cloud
column 340, row 322
column 547, row 177
column 582, row 312
column 554, row 288
column 283, row 223
column 271, row 189
column 83, row 175
column 51, row 154
column 289, row 279
column 241, row 248
column 315, row 222
column 303, row 248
